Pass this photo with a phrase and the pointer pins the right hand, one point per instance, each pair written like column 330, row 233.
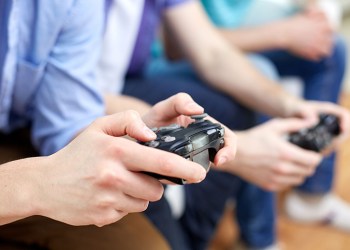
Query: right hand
column 97, row 178
column 308, row 35
column 265, row 158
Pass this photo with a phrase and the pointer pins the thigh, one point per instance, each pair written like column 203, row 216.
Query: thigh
column 322, row 79
column 132, row 232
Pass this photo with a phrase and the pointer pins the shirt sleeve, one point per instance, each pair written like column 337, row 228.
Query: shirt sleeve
column 172, row 3
column 68, row 98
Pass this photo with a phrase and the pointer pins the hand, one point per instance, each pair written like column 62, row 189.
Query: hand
column 308, row 35
column 265, row 158
column 309, row 110
column 97, row 178
column 177, row 109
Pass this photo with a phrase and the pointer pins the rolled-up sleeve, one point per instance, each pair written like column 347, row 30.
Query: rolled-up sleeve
column 68, row 98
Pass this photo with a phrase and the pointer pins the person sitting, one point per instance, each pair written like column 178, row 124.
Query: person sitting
column 229, row 89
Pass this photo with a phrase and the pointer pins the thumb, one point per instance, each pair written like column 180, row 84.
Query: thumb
column 125, row 123
column 179, row 104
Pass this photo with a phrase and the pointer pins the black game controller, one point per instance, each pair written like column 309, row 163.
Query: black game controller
column 198, row 142
column 318, row 137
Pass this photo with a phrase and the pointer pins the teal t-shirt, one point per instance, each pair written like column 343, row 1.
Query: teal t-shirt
column 226, row 13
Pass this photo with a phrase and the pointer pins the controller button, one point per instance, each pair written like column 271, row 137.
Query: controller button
column 199, row 118
column 168, row 138
column 153, row 144
column 211, row 131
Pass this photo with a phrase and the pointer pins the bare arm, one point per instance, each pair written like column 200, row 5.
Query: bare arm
column 224, row 66
column 308, row 35
column 17, row 193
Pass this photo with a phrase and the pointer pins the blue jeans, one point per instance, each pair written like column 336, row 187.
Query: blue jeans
column 255, row 207
column 321, row 81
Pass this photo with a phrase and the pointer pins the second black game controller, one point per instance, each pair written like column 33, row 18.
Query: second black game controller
column 198, row 142
column 319, row 136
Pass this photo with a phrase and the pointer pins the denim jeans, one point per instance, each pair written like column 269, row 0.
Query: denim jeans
column 205, row 201
column 321, row 81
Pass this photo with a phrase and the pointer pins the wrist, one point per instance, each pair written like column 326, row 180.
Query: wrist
column 281, row 36
column 290, row 106
column 19, row 182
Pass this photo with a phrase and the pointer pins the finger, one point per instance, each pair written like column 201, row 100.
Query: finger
column 228, row 152
column 125, row 123
column 179, row 104
column 301, row 156
column 110, row 216
column 141, row 158
column 342, row 113
column 130, row 204
column 292, row 169
column 137, row 185
column 283, row 182
column 289, row 125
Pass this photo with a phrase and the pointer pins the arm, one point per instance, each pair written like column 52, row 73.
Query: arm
column 224, row 66
column 308, row 35
column 17, row 189
column 97, row 178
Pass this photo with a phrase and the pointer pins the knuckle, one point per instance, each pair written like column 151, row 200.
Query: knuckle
column 108, row 177
column 280, row 170
column 115, row 150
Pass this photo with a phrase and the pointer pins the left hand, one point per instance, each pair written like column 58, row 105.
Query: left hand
column 178, row 109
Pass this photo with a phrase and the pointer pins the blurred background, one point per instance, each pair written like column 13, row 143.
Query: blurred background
column 294, row 236
column 345, row 29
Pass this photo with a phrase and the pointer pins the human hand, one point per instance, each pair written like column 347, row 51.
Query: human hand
column 309, row 110
column 97, row 178
column 308, row 35
column 265, row 158
column 177, row 109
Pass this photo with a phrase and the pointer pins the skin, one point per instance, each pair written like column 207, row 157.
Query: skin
column 97, row 178
column 308, row 35
column 225, row 67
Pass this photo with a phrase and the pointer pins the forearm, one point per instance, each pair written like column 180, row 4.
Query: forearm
column 19, row 182
column 222, row 65
column 230, row 71
column 257, row 39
